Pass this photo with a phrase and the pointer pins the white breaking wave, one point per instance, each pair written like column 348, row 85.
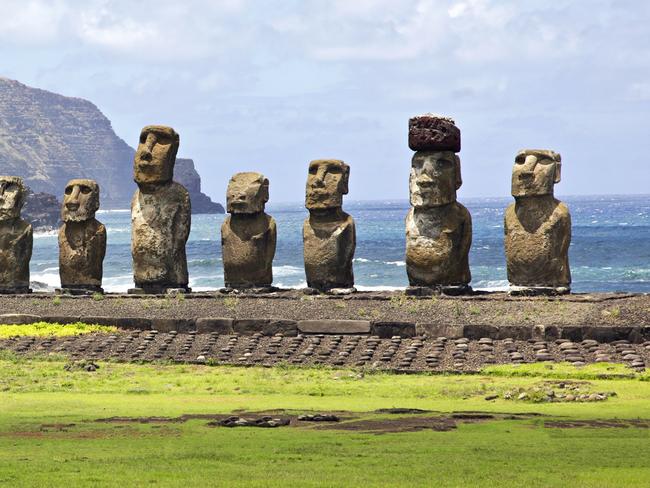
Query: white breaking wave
column 361, row 260
column 116, row 210
column 287, row 270
column 491, row 285
column 49, row 277
column 379, row 288
column 302, row 284
column 396, row 263
column 118, row 284
column 46, row 233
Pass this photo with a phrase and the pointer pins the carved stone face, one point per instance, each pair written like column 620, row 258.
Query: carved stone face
column 535, row 172
column 12, row 197
column 435, row 177
column 327, row 182
column 156, row 154
column 80, row 201
column 247, row 193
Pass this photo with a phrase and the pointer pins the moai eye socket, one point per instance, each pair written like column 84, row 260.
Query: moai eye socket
column 334, row 170
column 85, row 189
column 313, row 169
column 520, row 159
column 68, row 190
column 12, row 187
column 444, row 163
column 143, row 137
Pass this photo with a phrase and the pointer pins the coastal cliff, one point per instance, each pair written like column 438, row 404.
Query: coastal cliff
column 49, row 139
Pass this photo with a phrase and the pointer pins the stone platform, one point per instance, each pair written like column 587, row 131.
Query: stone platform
column 412, row 354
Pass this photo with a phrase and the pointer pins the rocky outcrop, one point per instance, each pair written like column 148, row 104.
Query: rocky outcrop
column 186, row 175
column 42, row 210
column 49, row 139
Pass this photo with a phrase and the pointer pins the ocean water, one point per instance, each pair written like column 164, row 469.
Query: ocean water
column 610, row 248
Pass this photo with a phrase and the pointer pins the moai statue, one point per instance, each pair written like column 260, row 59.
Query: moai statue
column 438, row 228
column 537, row 227
column 248, row 234
column 82, row 239
column 160, row 215
column 328, row 234
column 16, row 237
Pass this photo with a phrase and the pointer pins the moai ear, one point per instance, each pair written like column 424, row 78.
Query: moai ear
column 459, row 178
column 264, row 190
column 558, row 172
column 345, row 178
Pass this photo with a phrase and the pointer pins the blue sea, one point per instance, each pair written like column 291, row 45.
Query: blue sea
column 610, row 248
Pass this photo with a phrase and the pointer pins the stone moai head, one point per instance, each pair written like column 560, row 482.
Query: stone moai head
column 80, row 200
column 156, row 155
column 327, row 182
column 12, row 197
column 247, row 193
column 434, row 179
column 535, row 172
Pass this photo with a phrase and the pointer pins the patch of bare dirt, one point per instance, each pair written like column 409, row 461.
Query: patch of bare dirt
column 598, row 424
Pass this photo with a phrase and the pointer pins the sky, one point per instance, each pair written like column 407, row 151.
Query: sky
column 268, row 85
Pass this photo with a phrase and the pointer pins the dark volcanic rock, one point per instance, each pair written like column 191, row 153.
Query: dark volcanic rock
column 186, row 175
column 430, row 132
column 48, row 139
column 42, row 210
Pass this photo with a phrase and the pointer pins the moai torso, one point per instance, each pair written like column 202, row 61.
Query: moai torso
column 248, row 247
column 437, row 245
column 329, row 235
column 160, row 227
column 328, row 252
column 82, row 247
column 537, row 245
column 16, row 237
column 248, row 234
column 82, row 238
column 537, row 226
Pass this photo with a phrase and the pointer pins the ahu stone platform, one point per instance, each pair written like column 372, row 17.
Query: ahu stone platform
column 378, row 330
column 413, row 354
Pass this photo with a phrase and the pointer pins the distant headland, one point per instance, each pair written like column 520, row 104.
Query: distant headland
column 48, row 139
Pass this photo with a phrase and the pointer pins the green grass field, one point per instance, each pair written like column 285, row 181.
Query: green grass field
column 49, row 435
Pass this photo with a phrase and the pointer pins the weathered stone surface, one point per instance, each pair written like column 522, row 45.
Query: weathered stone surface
column 216, row 324
column 19, row 318
column 438, row 228
column 437, row 330
column 16, row 237
column 431, row 132
column 537, row 226
column 121, row 322
column 334, row 326
column 386, row 329
column 167, row 325
column 248, row 234
column 160, row 214
column 82, row 238
column 329, row 235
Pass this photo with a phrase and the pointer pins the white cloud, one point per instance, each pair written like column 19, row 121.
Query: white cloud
column 32, row 22
column 639, row 92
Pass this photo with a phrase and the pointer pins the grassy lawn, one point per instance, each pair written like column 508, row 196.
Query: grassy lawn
column 49, row 435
